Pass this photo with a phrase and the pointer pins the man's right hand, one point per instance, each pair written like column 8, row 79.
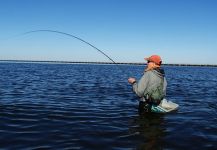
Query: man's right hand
column 131, row 80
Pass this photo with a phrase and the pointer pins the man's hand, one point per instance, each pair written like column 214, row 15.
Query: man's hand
column 131, row 80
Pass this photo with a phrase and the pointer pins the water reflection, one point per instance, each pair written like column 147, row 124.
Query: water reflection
column 150, row 128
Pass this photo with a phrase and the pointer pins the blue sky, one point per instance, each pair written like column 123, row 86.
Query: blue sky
column 180, row 31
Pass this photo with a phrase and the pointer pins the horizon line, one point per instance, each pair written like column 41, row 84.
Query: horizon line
column 95, row 62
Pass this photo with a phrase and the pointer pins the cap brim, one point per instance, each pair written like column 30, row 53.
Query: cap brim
column 147, row 59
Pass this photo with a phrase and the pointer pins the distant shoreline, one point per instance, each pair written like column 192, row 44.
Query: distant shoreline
column 82, row 62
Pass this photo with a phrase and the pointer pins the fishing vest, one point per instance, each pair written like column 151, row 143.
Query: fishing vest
column 155, row 95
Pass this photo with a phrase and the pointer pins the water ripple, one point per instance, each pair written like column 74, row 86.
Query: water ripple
column 59, row 106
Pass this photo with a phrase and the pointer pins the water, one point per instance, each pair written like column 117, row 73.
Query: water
column 71, row 106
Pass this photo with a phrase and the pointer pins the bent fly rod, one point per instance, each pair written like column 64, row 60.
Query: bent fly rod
column 73, row 36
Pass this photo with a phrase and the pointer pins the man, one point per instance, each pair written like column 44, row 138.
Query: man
column 151, row 88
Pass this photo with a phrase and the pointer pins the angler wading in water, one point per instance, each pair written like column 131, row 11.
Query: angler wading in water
column 151, row 88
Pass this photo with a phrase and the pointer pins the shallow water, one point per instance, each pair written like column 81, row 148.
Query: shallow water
column 71, row 106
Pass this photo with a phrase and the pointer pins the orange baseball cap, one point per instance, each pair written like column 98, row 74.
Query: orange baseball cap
column 154, row 58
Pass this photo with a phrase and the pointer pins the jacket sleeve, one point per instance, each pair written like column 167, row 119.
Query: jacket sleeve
column 165, row 86
column 140, row 87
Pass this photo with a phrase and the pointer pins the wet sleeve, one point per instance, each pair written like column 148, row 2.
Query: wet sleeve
column 140, row 87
